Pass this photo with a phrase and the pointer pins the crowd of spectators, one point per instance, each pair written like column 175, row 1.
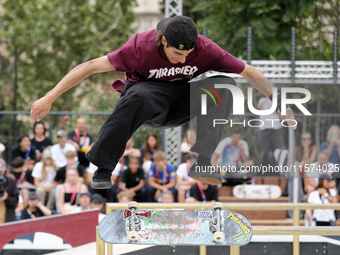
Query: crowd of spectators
column 43, row 178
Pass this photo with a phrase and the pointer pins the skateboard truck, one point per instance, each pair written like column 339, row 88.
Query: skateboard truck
column 216, row 225
column 133, row 225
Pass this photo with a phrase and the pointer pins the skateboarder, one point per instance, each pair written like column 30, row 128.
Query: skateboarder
column 159, row 64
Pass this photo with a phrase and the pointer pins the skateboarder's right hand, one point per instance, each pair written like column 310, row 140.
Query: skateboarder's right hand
column 40, row 108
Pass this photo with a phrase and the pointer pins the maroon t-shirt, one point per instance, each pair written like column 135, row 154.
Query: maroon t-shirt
column 141, row 59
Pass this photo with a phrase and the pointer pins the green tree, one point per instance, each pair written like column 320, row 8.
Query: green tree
column 54, row 36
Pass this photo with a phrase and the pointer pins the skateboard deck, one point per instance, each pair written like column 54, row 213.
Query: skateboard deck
column 257, row 191
column 176, row 227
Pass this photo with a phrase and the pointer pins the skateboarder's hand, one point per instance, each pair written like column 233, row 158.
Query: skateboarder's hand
column 40, row 108
column 289, row 117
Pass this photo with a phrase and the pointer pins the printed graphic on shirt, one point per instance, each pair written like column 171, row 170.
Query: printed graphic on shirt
column 164, row 72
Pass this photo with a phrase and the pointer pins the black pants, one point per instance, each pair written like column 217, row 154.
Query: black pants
column 161, row 104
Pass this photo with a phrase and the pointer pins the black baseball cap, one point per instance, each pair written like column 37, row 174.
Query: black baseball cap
column 325, row 176
column 179, row 31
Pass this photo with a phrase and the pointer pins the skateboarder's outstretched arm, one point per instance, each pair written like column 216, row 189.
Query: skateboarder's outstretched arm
column 261, row 83
column 75, row 76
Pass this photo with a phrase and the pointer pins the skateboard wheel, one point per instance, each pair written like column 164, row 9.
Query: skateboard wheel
column 218, row 236
column 218, row 205
column 132, row 204
column 133, row 235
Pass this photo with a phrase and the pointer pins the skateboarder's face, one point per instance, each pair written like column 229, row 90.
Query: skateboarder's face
column 174, row 55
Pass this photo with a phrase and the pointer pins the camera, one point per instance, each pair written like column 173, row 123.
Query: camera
column 3, row 182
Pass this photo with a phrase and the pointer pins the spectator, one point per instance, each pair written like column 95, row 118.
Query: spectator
column 189, row 138
column 59, row 150
column 23, row 178
column 322, row 195
column 98, row 203
column 40, row 141
column 271, row 131
column 69, row 191
column 2, row 149
column 81, row 140
column 24, row 150
column 184, row 182
column 133, row 180
column 203, row 192
column 84, row 203
column 161, row 177
column 71, row 163
column 35, row 208
column 151, row 146
column 314, row 170
column 130, row 151
column 232, row 152
column 167, row 196
column 44, row 173
column 124, row 197
column 332, row 148
column 306, row 151
column 8, row 195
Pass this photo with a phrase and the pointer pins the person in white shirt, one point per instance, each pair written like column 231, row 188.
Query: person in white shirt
column 322, row 195
column 59, row 150
column 84, row 202
column 184, row 182
column 44, row 173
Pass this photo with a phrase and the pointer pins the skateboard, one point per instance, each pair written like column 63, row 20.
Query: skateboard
column 175, row 227
column 257, row 191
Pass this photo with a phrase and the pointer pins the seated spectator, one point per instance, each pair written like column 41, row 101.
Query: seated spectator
column 314, row 170
column 133, row 180
column 124, row 197
column 151, row 146
column 232, row 152
column 161, row 177
column 322, row 195
column 109, row 194
column 2, row 149
column 130, row 151
column 203, row 192
column 84, row 203
column 167, row 196
column 98, row 203
column 8, row 195
column 81, row 140
column 305, row 152
column 40, row 141
column 35, row 208
column 71, row 163
column 59, row 150
column 189, row 138
column 184, row 182
column 23, row 179
column 332, row 148
column 24, row 150
column 44, row 173
column 69, row 191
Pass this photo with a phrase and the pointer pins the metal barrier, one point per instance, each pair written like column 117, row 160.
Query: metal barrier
column 294, row 230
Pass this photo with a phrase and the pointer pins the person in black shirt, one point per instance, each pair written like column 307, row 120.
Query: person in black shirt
column 203, row 192
column 71, row 164
column 34, row 208
column 25, row 150
column 9, row 195
column 133, row 180
column 40, row 141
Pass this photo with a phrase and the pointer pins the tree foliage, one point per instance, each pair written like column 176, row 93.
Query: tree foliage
column 52, row 37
